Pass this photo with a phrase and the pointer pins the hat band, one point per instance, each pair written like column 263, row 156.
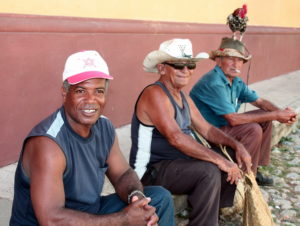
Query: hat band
column 87, row 75
column 229, row 52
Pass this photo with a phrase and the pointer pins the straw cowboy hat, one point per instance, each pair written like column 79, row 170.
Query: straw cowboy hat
column 171, row 50
column 231, row 47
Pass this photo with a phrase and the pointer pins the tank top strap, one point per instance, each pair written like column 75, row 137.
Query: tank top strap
column 164, row 89
column 167, row 92
column 173, row 102
column 184, row 102
column 182, row 115
column 175, row 105
column 141, row 95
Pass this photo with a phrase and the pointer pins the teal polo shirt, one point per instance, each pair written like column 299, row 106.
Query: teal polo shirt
column 214, row 96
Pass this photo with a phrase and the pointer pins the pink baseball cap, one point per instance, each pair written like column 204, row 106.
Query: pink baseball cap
column 85, row 65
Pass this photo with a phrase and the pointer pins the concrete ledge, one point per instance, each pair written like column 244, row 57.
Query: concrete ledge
column 282, row 130
column 5, row 207
column 7, row 174
column 180, row 203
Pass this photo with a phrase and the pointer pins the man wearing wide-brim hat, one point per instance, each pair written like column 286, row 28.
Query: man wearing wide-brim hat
column 219, row 94
column 164, row 147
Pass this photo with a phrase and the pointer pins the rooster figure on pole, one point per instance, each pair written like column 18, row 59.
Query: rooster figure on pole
column 237, row 22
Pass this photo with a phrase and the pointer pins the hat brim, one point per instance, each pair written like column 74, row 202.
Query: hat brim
column 157, row 57
column 75, row 79
column 228, row 52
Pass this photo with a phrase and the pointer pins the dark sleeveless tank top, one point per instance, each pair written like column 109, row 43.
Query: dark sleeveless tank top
column 149, row 145
column 85, row 170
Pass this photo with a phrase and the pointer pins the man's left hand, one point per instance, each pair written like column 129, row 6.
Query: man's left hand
column 153, row 218
column 293, row 118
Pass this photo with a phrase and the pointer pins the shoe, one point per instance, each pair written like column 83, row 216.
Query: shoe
column 264, row 180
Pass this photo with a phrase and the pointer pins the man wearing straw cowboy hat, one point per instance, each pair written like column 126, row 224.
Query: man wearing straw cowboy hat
column 219, row 94
column 65, row 158
column 164, row 149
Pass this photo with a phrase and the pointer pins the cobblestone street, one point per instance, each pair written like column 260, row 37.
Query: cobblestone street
column 284, row 197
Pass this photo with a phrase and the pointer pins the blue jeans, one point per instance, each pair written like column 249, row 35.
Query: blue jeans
column 161, row 199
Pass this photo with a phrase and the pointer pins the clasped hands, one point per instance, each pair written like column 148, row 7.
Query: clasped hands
column 139, row 212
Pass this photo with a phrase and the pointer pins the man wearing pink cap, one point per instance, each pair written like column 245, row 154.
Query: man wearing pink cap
column 65, row 158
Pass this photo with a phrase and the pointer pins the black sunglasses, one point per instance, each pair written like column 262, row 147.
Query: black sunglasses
column 180, row 66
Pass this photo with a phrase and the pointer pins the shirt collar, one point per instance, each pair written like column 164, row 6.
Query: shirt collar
column 223, row 76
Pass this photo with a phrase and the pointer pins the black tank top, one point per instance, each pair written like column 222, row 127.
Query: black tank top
column 148, row 144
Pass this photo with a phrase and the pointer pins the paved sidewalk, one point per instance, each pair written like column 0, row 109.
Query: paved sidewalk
column 283, row 91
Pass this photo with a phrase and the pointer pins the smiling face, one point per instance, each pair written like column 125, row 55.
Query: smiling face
column 231, row 66
column 179, row 78
column 84, row 103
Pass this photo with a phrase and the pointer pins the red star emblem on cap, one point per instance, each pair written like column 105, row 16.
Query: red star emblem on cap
column 88, row 62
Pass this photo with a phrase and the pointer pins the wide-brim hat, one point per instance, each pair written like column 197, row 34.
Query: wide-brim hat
column 231, row 47
column 85, row 65
column 172, row 50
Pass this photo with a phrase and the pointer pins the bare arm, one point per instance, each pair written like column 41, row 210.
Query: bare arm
column 121, row 175
column 44, row 163
column 270, row 112
column 217, row 136
column 126, row 181
column 154, row 108
column 265, row 105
